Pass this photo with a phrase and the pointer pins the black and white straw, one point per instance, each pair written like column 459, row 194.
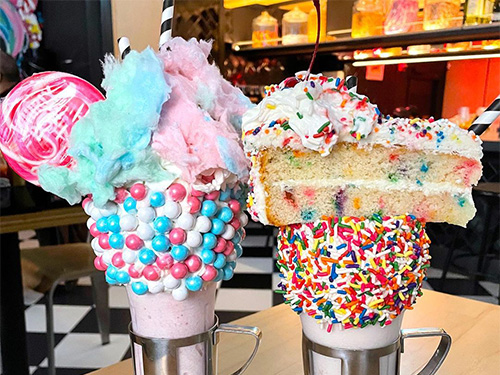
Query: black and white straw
column 124, row 46
column 351, row 82
column 166, row 21
column 491, row 113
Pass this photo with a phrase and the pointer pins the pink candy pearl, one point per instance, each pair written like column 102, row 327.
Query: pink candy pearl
column 234, row 205
column 138, row 191
column 177, row 236
column 99, row 264
column 179, row 270
column 229, row 248
column 213, row 195
column 120, row 195
column 195, row 205
column 193, row 263
column 117, row 260
column 93, row 230
column 86, row 201
column 235, row 223
column 177, row 192
column 103, row 241
column 150, row 273
column 165, row 261
column 209, row 274
column 134, row 242
column 221, row 245
column 133, row 272
column 197, row 193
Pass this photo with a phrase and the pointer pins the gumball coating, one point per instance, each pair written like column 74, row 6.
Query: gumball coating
column 209, row 274
column 120, row 195
column 140, row 288
column 238, row 249
column 203, row 224
column 95, row 246
column 194, row 204
column 86, row 201
column 220, row 261
column 145, row 231
column 99, row 265
column 220, row 275
column 94, row 232
column 177, row 236
column 228, row 273
column 111, row 272
column 117, row 260
column 134, row 272
column 186, row 221
column 122, row 277
column 243, row 219
column 138, row 191
column 225, row 214
column 110, row 281
column 179, row 252
column 171, row 282
column 162, row 224
column 172, row 210
column 229, row 248
column 109, row 208
column 134, row 242
column 114, row 223
column 130, row 205
column 221, row 245
column 235, row 223
column 179, row 270
column 208, row 208
column 197, row 193
column 129, row 256
column 157, row 199
column 146, row 214
column 208, row 256
column 193, row 263
column 209, row 240
column 155, row 287
column 104, row 241
column 234, row 205
column 212, row 196
column 217, row 226
column 177, row 192
column 128, row 223
column 194, row 283
column 194, row 238
column 231, row 257
column 102, row 225
column 228, row 232
column 160, row 243
column 147, row 256
column 165, row 261
column 106, row 257
column 150, row 273
column 180, row 294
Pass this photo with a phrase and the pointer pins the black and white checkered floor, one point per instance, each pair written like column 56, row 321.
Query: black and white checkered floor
column 78, row 346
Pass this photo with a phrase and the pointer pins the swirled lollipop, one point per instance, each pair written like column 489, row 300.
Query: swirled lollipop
column 36, row 119
column 12, row 31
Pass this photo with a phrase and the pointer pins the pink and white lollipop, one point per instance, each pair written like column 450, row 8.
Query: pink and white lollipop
column 36, row 120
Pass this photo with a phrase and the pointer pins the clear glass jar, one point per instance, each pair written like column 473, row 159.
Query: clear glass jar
column 294, row 27
column 264, row 30
column 368, row 18
column 402, row 16
column 442, row 14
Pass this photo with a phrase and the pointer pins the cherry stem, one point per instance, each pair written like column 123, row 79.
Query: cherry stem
column 318, row 13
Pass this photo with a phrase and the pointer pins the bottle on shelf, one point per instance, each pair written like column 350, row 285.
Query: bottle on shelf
column 312, row 23
column 478, row 11
column 495, row 17
column 264, row 31
column 442, row 14
column 294, row 27
column 368, row 18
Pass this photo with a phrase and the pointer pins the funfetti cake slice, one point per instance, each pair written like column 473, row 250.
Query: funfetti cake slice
column 318, row 149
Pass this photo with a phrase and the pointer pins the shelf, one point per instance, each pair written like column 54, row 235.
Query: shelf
column 459, row 34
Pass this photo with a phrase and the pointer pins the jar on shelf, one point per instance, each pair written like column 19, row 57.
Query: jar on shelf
column 442, row 14
column 402, row 16
column 368, row 18
column 478, row 11
column 294, row 27
column 264, row 30
column 312, row 23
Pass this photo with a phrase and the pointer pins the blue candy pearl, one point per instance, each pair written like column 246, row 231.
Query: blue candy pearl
column 130, row 204
column 122, row 277
column 102, row 225
column 147, row 256
column 220, row 275
column 111, row 281
column 228, row 272
column 225, row 214
column 162, row 224
column 194, row 283
column 157, row 199
column 209, row 240
column 220, row 261
column 238, row 249
column 218, row 226
column 139, row 288
column 160, row 243
column 225, row 195
column 111, row 272
column 116, row 241
column 207, row 256
column 208, row 208
column 237, row 236
column 114, row 223
column 231, row 264
column 179, row 252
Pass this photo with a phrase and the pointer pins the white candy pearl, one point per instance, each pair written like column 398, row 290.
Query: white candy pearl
column 186, row 221
column 96, row 247
column 203, row 224
column 129, row 256
column 128, row 223
column 95, row 213
column 146, row 214
column 231, row 257
column 145, row 231
column 171, row 282
column 243, row 219
column 194, row 238
column 90, row 221
column 107, row 256
column 88, row 208
column 155, row 287
column 228, row 232
column 180, row 294
column 108, row 209
column 146, row 201
column 172, row 209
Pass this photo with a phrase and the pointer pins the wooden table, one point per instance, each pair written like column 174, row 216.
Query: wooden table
column 12, row 324
column 474, row 327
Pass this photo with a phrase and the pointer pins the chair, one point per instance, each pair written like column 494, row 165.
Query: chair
column 66, row 262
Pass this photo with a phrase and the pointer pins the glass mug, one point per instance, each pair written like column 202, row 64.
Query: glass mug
column 156, row 356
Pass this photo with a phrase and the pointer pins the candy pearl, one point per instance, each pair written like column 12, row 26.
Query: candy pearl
column 220, row 261
column 130, row 205
column 129, row 256
column 221, row 245
column 157, row 199
column 155, row 287
column 177, row 192
column 208, row 256
column 108, row 209
column 94, row 232
column 212, row 196
column 208, row 208
column 231, row 264
column 134, row 242
column 111, row 272
column 86, row 201
column 231, row 257
column 209, row 274
column 114, row 223
column 203, row 224
column 111, row 281
column 120, row 195
column 134, row 272
column 172, row 210
column 96, row 247
column 225, row 214
column 116, row 241
column 217, row 226
column 179, row 252
column 177, row 236
column 235, row 223
column 88, row 206
column 229, row 248
column 194, row 283
column 107, row 256
column 89, row 222
column 186, row 221
column 150, row 273
column 162, row 224
column 99, row 265
column 234, row 205
column 102, row 225
column 171, row 282
column 180, row 294
column 229, row 232
column 193, row 263
column 220, row 275
column 165, row 262
column 160, row 243
column 128, row 223
column 146, row 214
column 228, row 273
column 138, row 287
column 194, row 204
column 238, row 249
column 197, row 193
column 225, row 195
column 122, row 277
column 147, row 256
column 237, row 237
column 138, row 191
column 209, row 240
column 194, row 239
column 95, row 213
column 104, row 241
column 179, row 270
column 243, row 219
column 117, row 260
column 145, row 232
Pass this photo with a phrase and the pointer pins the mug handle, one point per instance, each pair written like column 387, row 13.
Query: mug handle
column 255, row 332
column 441, row 352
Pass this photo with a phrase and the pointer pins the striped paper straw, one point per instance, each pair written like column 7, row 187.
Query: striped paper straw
column 166, row 21
column 124, row 46
column 351, row 82
column 491, row 113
